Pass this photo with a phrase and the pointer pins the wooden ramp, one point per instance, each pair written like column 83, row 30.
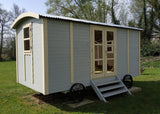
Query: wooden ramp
column 109, row 88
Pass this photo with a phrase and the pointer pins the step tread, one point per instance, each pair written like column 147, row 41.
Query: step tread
column 112, row 93
column 106, row 88
column 108, row 83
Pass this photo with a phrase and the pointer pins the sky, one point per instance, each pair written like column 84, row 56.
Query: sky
column 36, row 6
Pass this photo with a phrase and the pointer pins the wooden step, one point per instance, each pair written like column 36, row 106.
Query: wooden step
column 106, row 88
column 112, row 93
column 108, row 83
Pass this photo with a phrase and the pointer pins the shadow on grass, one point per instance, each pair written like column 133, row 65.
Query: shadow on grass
column 145, row 101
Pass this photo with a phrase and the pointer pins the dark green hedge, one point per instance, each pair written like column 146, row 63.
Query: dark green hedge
column 150, row 49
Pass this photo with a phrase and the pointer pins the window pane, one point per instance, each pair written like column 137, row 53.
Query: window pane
column 109, row 36
column 110, row 66
column 98, row 52
column 98, row 67
column 110, row 42
column 26, row 45
column 110, row 55
column 26, row 32
column 98, row 36
column 109, row 49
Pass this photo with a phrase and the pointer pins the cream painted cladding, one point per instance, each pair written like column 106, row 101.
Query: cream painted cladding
column 25, row 65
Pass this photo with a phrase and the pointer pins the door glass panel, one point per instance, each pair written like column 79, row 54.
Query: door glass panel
column 98, row 36
column 26, row 45
column 98, row 52
column 110, row 66
column 109, row 49
column 109, row 36
column 110, row 52
column 98, row 67
column 101, row 47
column 26, row 32
column 110, row 42
column 110, row 55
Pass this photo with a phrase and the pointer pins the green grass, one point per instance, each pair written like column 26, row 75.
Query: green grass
column 155, row 64
column 16, row 99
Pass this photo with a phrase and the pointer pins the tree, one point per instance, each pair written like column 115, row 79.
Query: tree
column 5, row 19
column 95, row 10
column 154, row 16
column 141, row 10
column 146, row 13
column 114, row 20
column 15, row 12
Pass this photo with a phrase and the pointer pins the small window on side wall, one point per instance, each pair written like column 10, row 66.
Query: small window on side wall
column 27, row 38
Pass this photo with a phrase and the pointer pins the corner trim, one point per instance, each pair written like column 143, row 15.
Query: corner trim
column 45, row 56
column 128, row 51
column 16, row 41
column 139, row 52
column 71, row 52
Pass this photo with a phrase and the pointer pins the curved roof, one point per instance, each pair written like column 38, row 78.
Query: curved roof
column 37, row 16
column 22, row 16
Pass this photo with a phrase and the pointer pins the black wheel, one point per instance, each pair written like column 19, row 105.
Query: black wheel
column 77, row 92
column 128, row 81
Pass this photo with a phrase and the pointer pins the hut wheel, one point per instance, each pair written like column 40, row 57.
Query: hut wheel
column 77, row 92
column 128, row 81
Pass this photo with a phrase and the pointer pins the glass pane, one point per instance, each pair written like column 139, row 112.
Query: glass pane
column 109, row 36
column 26, row 32
column 98, row 52
column 98, row 67
column 110, row 42
column 110, row 66
column 98, row 36
column 110, row 55
column 109, row 49
column 26, row 45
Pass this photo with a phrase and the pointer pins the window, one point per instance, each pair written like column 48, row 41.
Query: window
column 110, row 51
column 103, row 52
column 98, row 51
column 27, row 38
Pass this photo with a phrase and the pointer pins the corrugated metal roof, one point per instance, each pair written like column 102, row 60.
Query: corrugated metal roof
column 88, row 22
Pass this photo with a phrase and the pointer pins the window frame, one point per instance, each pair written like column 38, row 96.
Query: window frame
column 105, row 44
column 29, row 25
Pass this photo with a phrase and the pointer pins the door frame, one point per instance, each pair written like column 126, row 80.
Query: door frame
column 30, row 52
column 104, row 45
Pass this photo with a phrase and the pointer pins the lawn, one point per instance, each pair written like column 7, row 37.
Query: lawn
column 15, row 98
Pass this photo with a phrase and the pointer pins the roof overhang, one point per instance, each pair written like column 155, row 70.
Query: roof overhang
column 22, row 16
column 37, row 16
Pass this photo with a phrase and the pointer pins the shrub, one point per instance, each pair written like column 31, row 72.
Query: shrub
column 150, row 49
